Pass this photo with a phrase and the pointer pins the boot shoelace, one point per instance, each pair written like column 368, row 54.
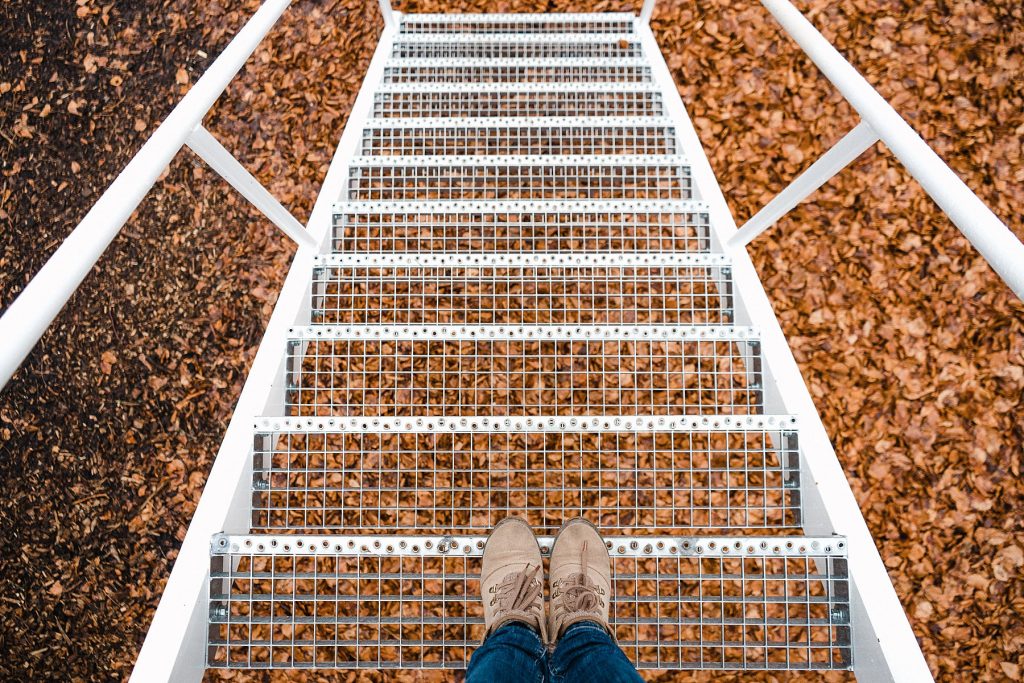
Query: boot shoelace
column 517, row 592
column 577, row 592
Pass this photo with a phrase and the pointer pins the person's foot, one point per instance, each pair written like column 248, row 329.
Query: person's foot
column 580, row 576
column 512, row 577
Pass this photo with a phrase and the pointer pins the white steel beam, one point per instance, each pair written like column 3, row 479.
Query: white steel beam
column 585, row 332
column 609, row 206
column 575, row 122
column 516, row 38
column 519, row 18
column 499, row 259
column 501, row 160
column 851, row 146
column 202, row 142
column 428, row 545
column 453, row 62
column 518, row 87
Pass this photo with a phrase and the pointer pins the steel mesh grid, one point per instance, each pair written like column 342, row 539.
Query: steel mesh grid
column 500, row 49
column 513, row 73
column 413, row 25
column 478, row 140
column 388, row 602
column 395, row 371
column 518, row 294
column 556, row 227
column 571, row 103
column 467, row 481
column 441, row 178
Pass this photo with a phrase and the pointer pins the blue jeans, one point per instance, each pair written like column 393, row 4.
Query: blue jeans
column 585, row 653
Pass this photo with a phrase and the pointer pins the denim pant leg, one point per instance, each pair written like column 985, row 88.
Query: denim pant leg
column 512, row 654
column 586, row 653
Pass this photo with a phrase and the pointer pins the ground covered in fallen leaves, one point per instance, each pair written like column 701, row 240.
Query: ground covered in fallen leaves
column 912, row 347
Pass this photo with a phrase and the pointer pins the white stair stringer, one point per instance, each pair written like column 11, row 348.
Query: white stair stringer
column 524, row 305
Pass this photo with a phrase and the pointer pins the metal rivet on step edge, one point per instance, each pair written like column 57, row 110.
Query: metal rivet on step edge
column 839, row 614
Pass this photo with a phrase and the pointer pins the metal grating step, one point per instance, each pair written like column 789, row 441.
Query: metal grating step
column 502, row 99
column 396, row 370
column 517, row 23
column 386, row 602
column 522, row 289
column 477, row 88
column 585, row 177
column 570, row 70
column 556, row 135
column 652, row 475
column 521, row 46
column 560, row 226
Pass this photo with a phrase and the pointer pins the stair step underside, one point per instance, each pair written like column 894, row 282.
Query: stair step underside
column 550, row 226
column 398, row 601
column 462, row 370
column 627, row 475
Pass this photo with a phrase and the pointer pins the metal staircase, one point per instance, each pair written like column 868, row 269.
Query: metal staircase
column 520, row 292
column 523, row 313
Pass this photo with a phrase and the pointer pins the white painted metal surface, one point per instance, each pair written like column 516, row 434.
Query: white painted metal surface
column 853, row 144
column 212, row 152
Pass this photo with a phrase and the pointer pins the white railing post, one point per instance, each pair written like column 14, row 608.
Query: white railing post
column 202, row 142
column 25, row 320
column 647, row 11
column 979, row 225
column 821, row 171
column 387, row 12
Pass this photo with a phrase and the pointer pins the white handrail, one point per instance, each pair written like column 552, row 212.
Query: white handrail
column 31, row 313
column 988, row 234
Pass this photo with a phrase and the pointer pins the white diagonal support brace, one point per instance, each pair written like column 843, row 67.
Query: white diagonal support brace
column 202, row 142
column 853, row 144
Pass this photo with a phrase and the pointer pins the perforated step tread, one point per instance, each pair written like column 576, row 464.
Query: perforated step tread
column 385, row 602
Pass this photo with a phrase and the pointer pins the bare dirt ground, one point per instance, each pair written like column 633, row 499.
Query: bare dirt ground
column 912, row 347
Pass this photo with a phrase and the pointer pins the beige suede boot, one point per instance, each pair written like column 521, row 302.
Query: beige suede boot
column 580, row 576
column 512, row 577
